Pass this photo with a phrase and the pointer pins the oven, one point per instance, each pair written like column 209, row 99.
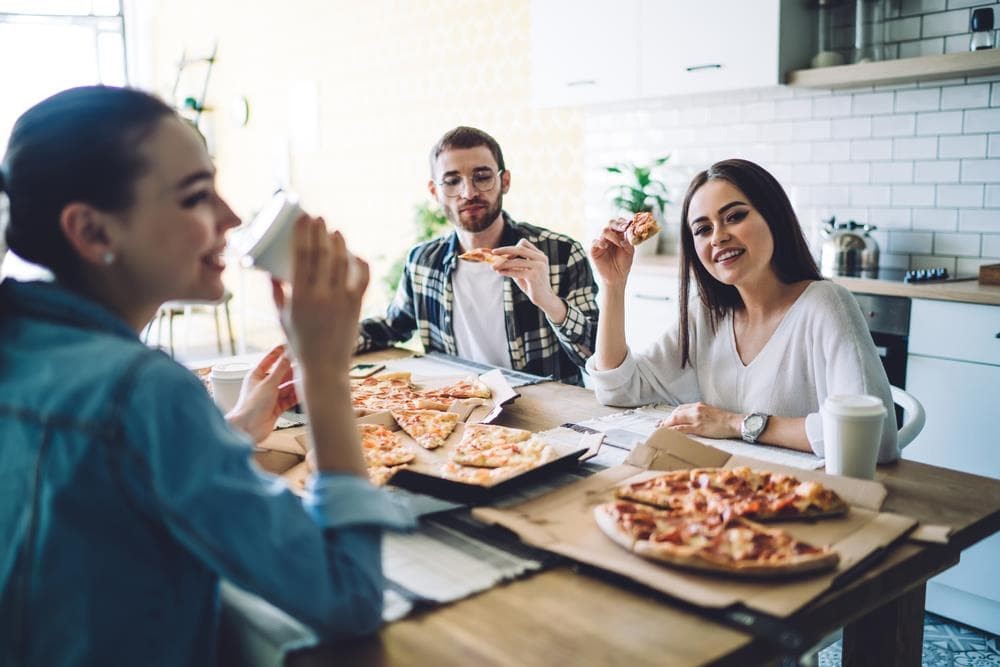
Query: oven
column 888, row 320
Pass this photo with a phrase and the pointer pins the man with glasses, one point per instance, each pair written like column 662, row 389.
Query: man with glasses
column 534, row 311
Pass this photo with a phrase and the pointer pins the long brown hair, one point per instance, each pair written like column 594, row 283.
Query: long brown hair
column 791, row 260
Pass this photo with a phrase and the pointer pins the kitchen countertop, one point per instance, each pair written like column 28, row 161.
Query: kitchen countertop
column 965, row 291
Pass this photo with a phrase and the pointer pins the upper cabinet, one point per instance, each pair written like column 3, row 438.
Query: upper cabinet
column 584, row 51
column 593, row 51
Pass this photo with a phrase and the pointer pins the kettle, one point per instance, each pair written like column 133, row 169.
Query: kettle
column 848, row 250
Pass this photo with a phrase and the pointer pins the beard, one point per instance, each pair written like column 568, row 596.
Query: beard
column 479, row 222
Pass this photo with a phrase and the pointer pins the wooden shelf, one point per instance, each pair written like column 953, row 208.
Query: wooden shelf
column 904, row 70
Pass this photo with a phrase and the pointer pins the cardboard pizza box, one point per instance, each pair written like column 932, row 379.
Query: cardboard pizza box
column 473, row 410
column 424, row 475
column 562, row 522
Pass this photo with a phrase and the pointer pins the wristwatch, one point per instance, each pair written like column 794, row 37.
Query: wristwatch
column 752, row 426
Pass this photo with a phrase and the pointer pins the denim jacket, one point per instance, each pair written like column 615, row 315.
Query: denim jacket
column 125, row 497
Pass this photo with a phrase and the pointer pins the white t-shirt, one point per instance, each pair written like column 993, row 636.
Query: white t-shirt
column 478, row 317
column 821, row 347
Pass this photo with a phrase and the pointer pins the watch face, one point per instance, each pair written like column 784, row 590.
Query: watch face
column 754, row 423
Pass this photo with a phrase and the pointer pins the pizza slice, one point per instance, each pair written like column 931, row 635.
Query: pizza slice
column 479, row 476
column 642, row 226
column 482, row 255
column 380, row 475
column 498, row 446
column 430, row 428
column 470, row 387
column 737, row 547
column 382, row 447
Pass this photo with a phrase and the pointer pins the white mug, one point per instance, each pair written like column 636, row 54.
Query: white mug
column 227, row 381
column 852, row 432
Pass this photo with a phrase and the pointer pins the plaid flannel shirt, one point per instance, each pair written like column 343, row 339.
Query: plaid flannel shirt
column 424, row 300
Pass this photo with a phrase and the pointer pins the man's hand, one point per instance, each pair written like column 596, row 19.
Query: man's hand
column 529, row 268
column 267, row 392
column 704, row 420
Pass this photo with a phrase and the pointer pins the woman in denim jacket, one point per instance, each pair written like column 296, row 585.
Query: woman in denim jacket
column 124, row 494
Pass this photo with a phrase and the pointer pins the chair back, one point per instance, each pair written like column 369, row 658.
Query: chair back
column 913, row 416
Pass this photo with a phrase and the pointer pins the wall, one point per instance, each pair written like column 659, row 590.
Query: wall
column 389, row 77
column 919, row 161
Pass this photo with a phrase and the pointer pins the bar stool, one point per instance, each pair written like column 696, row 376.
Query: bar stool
column 171, row 309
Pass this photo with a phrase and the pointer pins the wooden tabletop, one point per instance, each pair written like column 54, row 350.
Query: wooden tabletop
column 576, row 615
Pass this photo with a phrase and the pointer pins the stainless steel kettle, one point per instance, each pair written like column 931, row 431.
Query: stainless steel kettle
column 848, row 250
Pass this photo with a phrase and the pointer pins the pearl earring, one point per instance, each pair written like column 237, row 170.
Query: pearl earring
column 108, row 258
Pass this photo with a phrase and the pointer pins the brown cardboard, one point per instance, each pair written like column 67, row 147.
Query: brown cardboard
column 562, row 522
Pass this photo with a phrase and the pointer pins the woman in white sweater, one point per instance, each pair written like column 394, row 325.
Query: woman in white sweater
column 766, row 341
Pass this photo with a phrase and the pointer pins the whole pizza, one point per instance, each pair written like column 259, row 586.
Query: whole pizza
column 701, row 519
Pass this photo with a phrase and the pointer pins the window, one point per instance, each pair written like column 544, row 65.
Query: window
column 49, row 45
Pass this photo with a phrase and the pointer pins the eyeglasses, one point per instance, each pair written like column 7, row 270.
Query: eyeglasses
column 483, row 180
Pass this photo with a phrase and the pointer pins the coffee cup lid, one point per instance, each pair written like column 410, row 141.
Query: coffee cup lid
column 855, row 405
column 231, row 370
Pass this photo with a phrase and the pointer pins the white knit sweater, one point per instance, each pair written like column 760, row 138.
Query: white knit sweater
column 821, row 347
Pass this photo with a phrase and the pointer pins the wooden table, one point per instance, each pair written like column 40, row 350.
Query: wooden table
column 576, row 616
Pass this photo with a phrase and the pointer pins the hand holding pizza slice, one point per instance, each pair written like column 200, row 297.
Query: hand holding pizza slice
column 642, row 226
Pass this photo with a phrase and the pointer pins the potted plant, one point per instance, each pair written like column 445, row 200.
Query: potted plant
column 429, row 221
column 640, row 191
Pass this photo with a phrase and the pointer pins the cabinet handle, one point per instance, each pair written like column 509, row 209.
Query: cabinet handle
column 581, row 82
column 701, row 68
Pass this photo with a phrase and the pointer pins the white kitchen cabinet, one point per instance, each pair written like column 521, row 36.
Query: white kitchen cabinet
column 584, row 52
column 593, row 51
column 953, row 368
column 650, row 307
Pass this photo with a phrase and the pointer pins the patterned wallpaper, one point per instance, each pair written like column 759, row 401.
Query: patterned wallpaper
column 390, row 76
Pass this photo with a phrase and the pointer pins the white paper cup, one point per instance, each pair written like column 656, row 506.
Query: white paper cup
column 852, row 431
column 227, row 380
column 266, row 243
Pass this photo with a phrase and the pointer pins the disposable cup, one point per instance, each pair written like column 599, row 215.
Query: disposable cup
column 852, row 431
column 266, row 242
column 227, row 380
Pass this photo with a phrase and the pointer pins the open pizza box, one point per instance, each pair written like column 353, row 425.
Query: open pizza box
column 473, row 410
column 424, row 474
column 562, row 522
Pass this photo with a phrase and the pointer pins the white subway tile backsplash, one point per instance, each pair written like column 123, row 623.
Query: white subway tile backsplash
column 912, row 195
column 965, row 97
column 793, row 109
column 889, row 218
column 921, row 47
column 812, row 174
column 870, row 195
column 888, row 260
column 995, row 95
column 805, row 130
column 851, row 172
column 945, row 23
column 993, row 146
column 936, row 171
column 981, row 171
column 914, row 149
column 970, row 266
column 871, row 149
column 932, row 262
column 982, row 120
column 911, row 242
column 872, row 103
column 844, row 128
column 991, row 245
column 776, row 132
column 993, row 195
column 831, row 151
column 757, row 112
column 903, row 29
column 957, row 244
column 956, row 43
column 910, row 7
column 898, row 125
column 885, row 172
column 835, row 105
column 956, row 4
column 979, row 220
column 935, row 219
column 918, row 100
column 943, row 122
column 829, row 195
column 958, row 146
column 799, row 152
column 959, row 195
